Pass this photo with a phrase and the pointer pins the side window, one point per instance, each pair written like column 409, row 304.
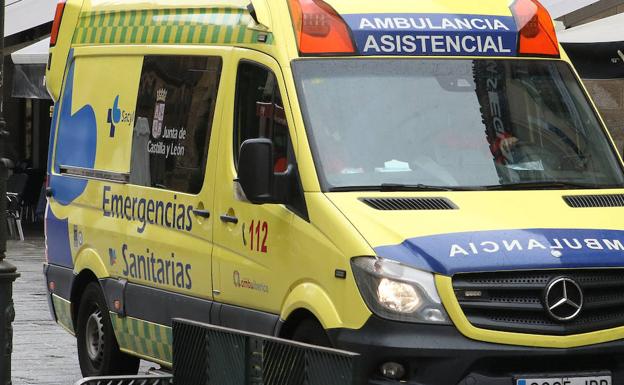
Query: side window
column 96, row 116
column 259, row 112
column 175, row 111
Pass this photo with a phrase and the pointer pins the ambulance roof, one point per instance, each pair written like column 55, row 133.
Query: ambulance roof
column 219, row 22
column 458, row 7
column 481, row 7
column 97, row 5
column 364, row 27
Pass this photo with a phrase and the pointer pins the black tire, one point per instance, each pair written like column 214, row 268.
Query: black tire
column 98, row 351
column 310, row 331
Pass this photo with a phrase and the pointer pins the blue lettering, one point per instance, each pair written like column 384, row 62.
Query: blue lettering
column 148, row 267
column 105, row 201
column 147, row 211
column 123, row 254
column 168, row 208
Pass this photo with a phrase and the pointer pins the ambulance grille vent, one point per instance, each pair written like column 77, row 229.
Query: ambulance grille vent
column 513, row 301
column 401, row 204
column 583, row 201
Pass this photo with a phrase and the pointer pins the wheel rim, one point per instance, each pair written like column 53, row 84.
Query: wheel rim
column 95, row 337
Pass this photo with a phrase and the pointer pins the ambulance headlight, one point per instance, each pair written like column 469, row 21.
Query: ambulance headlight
column 398, row 292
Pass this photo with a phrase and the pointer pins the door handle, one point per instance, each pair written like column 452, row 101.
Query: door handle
column 201, row 213
column 229, row 219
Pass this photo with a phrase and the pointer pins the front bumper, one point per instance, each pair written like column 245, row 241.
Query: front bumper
column 440, row 355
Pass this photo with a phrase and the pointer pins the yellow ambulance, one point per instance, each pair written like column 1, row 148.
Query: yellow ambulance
column 423, row 182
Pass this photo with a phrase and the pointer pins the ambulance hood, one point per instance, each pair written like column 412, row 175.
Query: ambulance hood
column 487, row 231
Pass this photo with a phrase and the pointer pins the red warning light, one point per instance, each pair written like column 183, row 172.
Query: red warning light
column 319, row 29
column 56, row 25
column 537, row 31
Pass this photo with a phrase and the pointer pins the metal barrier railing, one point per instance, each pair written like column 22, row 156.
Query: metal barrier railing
column 127, row 380
column 211, row 355
column 205, row 354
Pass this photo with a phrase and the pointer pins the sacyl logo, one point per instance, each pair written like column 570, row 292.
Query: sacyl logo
column 116, row 115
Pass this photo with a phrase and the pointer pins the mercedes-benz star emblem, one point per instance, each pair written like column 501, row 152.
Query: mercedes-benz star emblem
column 563, row 299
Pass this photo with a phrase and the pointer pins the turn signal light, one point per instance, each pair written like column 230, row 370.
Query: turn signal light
column 319, row 29
column 56, row 25
column 537, row 31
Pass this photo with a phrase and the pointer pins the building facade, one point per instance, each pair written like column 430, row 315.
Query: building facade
column 26, row 109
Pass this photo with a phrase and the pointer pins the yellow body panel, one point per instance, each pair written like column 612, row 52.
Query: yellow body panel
column 88, row 259
column 58, row 53
column 313, row 298
column 526, row 212
column 294, row 245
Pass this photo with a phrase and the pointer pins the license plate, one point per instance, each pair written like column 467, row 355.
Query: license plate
column 578, row 380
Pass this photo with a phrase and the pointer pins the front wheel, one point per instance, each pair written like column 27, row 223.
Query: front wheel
column 310, row 331
column 98, row 351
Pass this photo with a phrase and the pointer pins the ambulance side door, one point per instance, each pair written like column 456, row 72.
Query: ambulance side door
column 255, row 247
column 167, row 257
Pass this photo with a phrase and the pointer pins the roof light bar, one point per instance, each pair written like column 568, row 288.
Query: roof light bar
column 319, row 29
column 537, row 34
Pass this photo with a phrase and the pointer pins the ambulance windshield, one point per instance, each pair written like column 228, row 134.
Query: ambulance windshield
column 452, row 124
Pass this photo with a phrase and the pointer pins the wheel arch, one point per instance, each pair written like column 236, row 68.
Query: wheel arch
column 88, row 267
column 289, row 325
column 84, row 278
column 308, row 301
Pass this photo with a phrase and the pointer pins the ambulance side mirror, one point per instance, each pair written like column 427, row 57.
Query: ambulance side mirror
column 255, row 170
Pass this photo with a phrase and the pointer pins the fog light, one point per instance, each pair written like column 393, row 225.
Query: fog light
column 433, row 315
column 392, row 370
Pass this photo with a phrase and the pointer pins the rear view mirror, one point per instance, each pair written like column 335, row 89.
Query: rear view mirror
column 255, row 170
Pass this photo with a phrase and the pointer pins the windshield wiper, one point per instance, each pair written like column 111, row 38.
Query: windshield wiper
column 543, row 185
column 389, row 187
column 555, row 185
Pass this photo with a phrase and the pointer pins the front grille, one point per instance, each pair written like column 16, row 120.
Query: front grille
column 514, row 301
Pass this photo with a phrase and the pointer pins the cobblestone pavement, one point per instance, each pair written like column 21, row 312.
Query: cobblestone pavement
column 43, row 353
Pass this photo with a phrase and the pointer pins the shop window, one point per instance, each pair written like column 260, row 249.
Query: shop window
column 609, row 97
